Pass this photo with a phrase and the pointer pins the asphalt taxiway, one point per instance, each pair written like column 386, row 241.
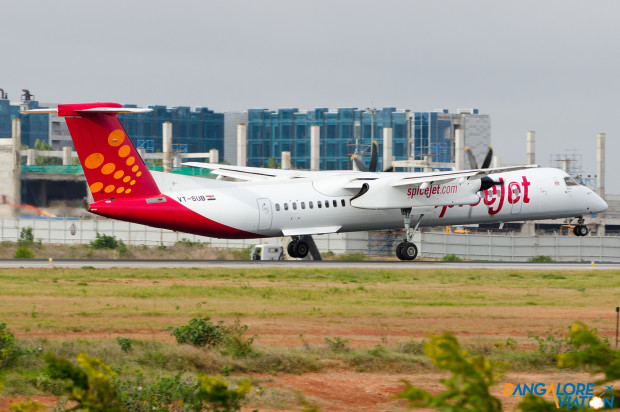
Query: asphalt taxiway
column 246, row 264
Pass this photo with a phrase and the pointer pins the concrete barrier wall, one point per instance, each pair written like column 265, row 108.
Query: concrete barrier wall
column 76, row 231
column 496, row 247
column 507, row 247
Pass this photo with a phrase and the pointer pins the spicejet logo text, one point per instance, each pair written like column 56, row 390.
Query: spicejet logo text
column 495, row 197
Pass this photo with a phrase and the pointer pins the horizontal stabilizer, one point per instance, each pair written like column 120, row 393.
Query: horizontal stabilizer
column 110, row 110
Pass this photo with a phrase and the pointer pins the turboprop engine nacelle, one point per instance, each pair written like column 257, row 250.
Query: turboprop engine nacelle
column 401, row 194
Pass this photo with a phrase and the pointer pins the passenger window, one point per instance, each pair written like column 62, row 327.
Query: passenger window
column 311, row 204
column 335, row 203
column 319, row 204
column 286, row 206
column 294, row 205
column 570, row 181
column 343, row 203
column 326, row 204
column 277, row 207
column 303, row 205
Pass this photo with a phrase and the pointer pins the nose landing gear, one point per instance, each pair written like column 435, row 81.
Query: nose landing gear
column 580, row 229
column 407, row 250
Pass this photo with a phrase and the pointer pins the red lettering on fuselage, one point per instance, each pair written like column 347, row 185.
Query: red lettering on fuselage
column 494, row 197
column 431, row 190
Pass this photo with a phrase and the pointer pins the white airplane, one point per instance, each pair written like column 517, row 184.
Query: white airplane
column 264, row 202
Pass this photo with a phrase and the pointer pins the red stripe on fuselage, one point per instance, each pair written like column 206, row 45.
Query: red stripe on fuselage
column 167, row 215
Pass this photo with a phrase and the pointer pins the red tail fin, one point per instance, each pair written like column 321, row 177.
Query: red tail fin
column 111, row 163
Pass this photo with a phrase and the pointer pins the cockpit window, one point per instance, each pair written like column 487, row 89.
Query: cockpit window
column 570, row 181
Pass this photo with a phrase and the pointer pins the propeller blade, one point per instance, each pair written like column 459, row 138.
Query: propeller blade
column 372, row 167
column 472, row 160
column 487, row 160
column 359, row 164
column 389, row 169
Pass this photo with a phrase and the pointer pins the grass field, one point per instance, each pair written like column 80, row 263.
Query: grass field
column 291, row 313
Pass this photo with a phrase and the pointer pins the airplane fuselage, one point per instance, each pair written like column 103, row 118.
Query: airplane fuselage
column 305, row 206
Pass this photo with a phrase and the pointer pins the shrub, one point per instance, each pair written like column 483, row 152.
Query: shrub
column 467, row 388
column 26, row 237
column 92, row 382
column 186, row 242
column 229, row 340
column 337, row 344
column 126, row 344
column 200, row 332
column 23, row 253
column 104, row 242
column 9, row 351
column 451, row 258
column 540, row 259
column 412, row 347
column 27, row 406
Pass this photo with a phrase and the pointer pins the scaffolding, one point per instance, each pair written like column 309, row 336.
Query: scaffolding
column 383, row 242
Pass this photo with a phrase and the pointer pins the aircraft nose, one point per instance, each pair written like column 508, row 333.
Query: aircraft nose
column 596, row 203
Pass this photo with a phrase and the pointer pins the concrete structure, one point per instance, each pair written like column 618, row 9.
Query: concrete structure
column 315, row 150
column 242, row 145
column 66, row 156
column 388, row 156
column 231, row 121
column 10, row 170
column 530, row 148
column 167, row 146
column 459, row 149
column 214, row 156
column 600, row 164
column 286, row 160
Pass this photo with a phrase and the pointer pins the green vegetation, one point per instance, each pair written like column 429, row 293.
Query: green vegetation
column 540, row 259
column 23, row 252
column 26, row 237
column 9, row 351
column 337, row 344
column 451, row 258
column 95, row 387
column 468, row 387
column 472, row 376
column 42, row 145
column 104, row 242
column 126, row 344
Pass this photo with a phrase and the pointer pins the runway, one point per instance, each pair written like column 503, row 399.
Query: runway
column 300, row 264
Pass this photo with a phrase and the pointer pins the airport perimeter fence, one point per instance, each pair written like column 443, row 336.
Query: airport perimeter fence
column 473, row 246
column 519, row 248
column 83, row 231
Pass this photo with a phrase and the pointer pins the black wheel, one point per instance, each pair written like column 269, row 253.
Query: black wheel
column 399, row 251
column 581, row 230
column 409, row 251
column 291, row 248
column 301, row 249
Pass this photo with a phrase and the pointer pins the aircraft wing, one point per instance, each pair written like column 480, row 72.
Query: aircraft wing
column 413, row 190
column 379, row 190
column 262, row 173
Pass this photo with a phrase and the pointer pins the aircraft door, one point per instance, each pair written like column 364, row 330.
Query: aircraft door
column 515, row 197
column 264, row 214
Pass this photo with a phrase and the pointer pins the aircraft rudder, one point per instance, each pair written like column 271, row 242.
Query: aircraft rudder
column 111, row 163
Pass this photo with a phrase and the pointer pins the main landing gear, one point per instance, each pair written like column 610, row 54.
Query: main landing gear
column 407, row 250
column 297, row 248
column 580, row 229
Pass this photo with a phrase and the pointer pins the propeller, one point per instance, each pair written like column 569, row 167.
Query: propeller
column 372, row 167
column 472, row 159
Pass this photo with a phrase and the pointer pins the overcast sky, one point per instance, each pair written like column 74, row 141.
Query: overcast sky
column 548, row 66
